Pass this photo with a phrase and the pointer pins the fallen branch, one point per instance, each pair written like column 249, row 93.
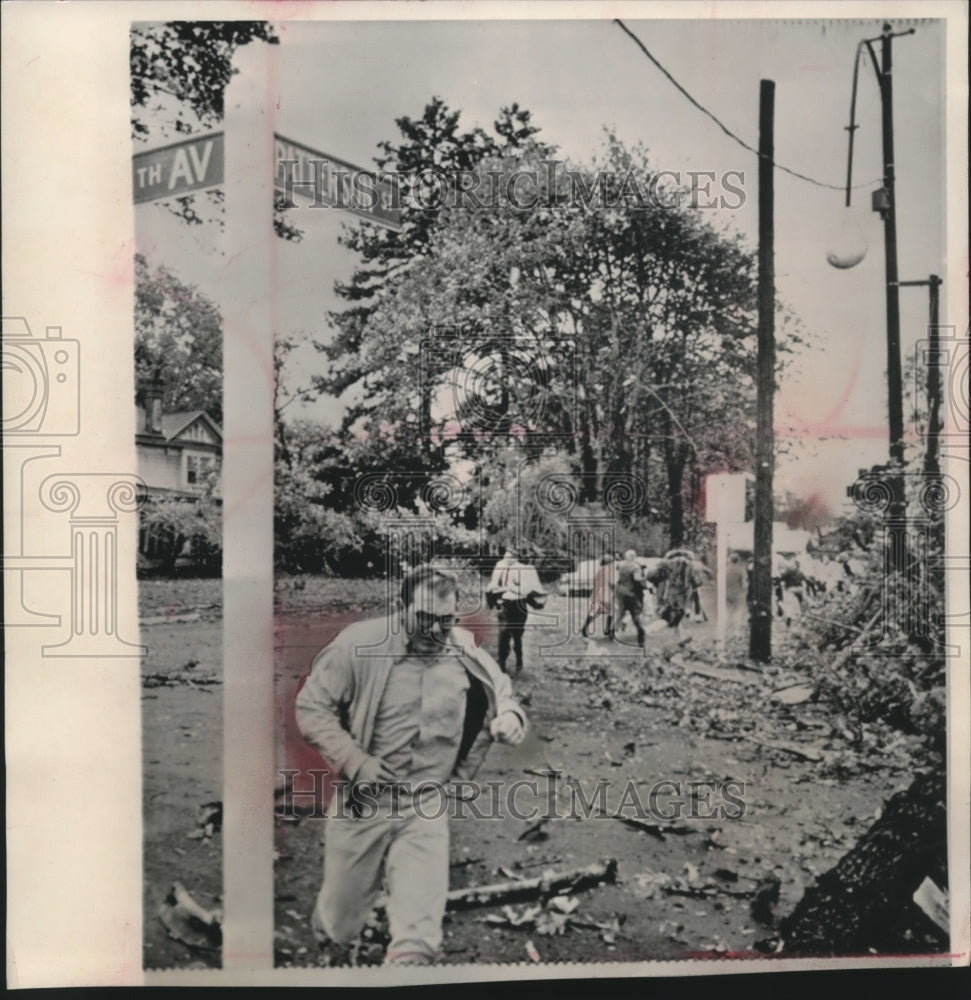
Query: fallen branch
column 847, row 651
column 832, row 621
column 707, row 891
column 720, row 673
column 806, row 753
column 549, row 883
column 654, row 829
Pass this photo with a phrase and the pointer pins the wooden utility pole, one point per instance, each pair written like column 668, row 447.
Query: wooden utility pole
column 935, row 391
column 760, row 639
column 894, row 376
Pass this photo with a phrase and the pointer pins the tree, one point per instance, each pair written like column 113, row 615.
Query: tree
column 180, row 69
column 178, row 335
column 309, row 537
column 865, row 902
column 180, row 522
column 619, row 309
column 178, row 73
column 396, row 390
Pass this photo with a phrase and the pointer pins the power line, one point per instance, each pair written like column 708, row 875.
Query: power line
column 721, row 125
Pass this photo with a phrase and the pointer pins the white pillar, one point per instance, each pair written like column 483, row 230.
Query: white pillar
column 246, row 301
column 721, row 583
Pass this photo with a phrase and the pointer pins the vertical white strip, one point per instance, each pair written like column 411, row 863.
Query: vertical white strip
column 721, row 582
column 246, row 300
column 954, row 310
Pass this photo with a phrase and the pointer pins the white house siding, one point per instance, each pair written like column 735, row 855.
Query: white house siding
column 160, row 469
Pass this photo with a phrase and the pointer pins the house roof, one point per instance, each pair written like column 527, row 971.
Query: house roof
column 173, row 424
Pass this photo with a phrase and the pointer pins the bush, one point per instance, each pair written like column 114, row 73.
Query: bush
column 183, row 527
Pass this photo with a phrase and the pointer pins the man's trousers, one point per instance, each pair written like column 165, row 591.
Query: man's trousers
column 512, row 621
column 410, row 847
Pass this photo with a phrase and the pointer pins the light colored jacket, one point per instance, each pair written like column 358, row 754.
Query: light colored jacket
column 337, row 707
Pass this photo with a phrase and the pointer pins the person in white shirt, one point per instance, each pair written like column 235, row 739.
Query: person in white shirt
column 496, row 585
column 518, row 588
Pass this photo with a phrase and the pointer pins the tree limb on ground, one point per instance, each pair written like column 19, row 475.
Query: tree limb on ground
column 549, row 883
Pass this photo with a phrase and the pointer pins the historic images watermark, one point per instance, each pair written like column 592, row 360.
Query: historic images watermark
column 549, row 796
column 551, row 184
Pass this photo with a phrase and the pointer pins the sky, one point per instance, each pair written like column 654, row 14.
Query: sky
column 338, row 87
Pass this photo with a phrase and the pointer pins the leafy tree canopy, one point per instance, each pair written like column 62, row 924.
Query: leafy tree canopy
column 178, row 336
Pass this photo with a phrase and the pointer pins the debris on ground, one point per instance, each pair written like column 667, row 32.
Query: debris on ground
column 210, row 821
column 156, row 680
column 556, row 918
column 811, row 753
column 648, row 884
column 535, row 833
column 765, row 898
column 186, row 921
column 550, row 883
column 654, row 829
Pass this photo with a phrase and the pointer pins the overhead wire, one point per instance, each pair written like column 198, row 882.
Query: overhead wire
column 722, row 125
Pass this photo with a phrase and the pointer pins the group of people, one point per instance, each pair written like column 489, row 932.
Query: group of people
column 619, row 588
column 400, row 706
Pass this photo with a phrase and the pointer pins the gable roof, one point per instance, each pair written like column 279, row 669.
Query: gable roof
column 173, row 424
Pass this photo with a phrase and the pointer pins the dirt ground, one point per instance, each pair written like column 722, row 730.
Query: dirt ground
column 595, row 715
column 599, row 715
column 182, row 744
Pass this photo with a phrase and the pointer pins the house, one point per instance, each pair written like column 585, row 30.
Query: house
column 179, row 456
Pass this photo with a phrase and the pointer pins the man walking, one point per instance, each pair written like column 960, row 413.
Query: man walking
column 397, row 706
column 518, row 587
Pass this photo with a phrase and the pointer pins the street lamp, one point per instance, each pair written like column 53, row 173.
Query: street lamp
column 884, row 202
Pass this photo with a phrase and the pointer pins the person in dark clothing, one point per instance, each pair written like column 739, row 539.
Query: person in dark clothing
column 629, row 593
column 519, row 589
column 676, row 578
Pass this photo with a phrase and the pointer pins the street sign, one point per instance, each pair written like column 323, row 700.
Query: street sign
column 325, row 181
column 178, row 169
column 328, row 182
column 725, row 497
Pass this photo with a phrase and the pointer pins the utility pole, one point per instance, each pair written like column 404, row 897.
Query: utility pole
column 885, row 202
column 760, row 637
column 889, row 212
column 934, row 387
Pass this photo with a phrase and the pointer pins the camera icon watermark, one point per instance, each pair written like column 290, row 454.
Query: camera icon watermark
column 420, row 518
column 485, row 385
column 942, row 382
column 592, row 510
column 41, row 386
column 41, row 400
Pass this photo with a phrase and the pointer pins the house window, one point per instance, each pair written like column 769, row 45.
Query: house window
column 198, row 468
